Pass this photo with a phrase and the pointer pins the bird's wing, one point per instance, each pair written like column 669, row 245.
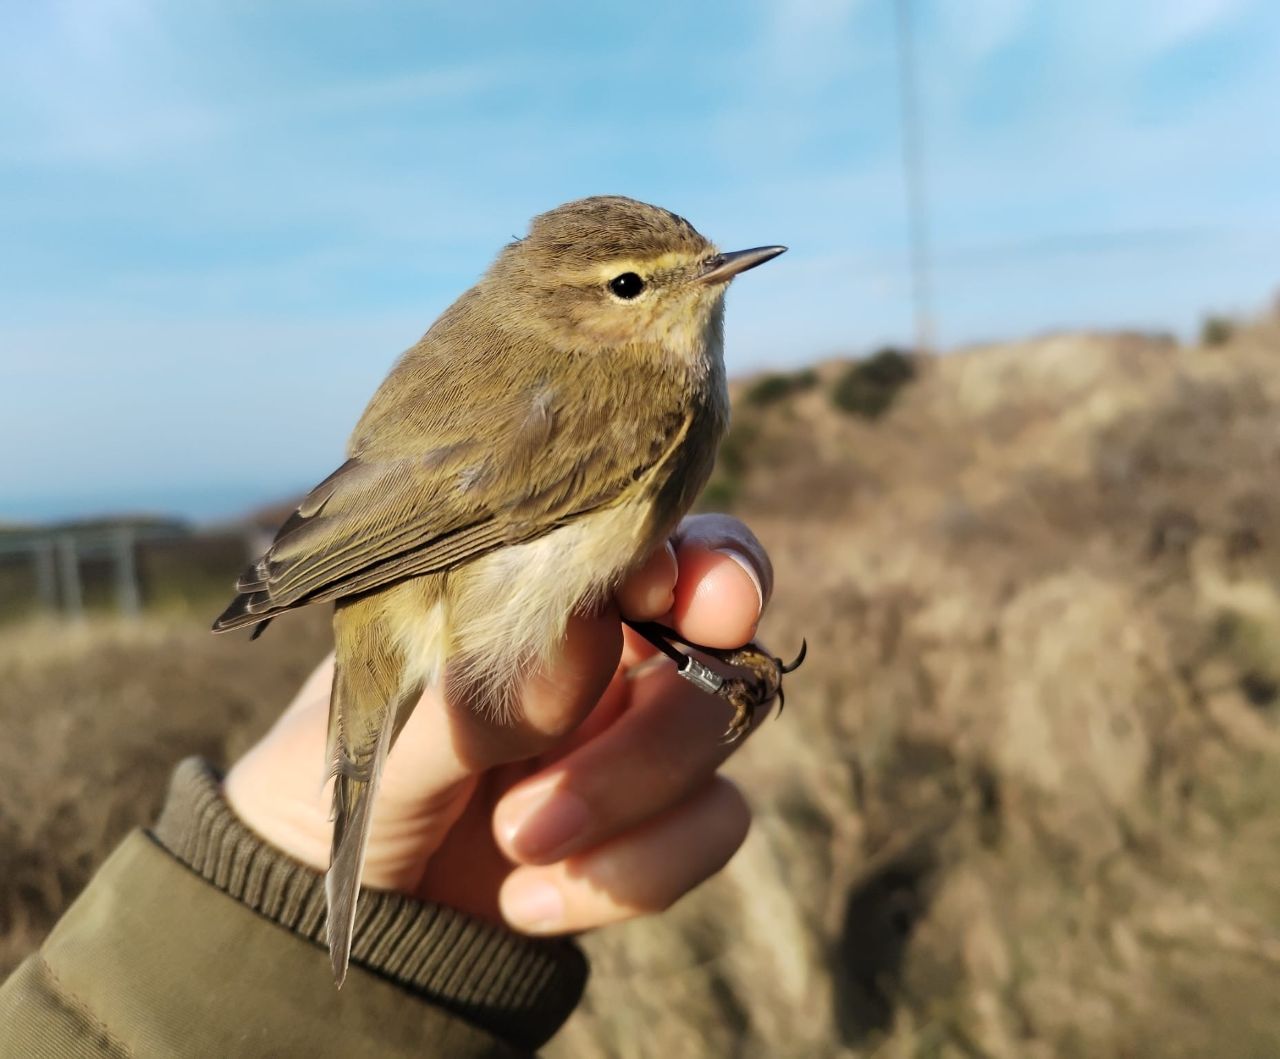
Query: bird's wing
column 384, row 516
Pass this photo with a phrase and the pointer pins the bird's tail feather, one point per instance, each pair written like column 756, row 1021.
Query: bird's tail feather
column 367, row 698
column 353, row 795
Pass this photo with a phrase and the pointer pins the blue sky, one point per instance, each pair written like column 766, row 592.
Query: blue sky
column 221, row 221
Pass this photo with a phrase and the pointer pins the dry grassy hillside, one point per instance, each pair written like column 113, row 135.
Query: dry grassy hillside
column 1025, row 799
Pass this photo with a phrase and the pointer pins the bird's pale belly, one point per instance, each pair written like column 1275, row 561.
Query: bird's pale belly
column 511, row 607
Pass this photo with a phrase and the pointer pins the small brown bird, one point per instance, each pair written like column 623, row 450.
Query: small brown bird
column 535, row 446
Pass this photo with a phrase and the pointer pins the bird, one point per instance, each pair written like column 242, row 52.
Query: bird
column 539, row 441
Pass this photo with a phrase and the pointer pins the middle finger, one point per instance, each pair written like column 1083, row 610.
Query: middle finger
column 662, row 749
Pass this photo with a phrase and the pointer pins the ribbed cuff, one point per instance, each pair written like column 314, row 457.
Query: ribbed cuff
column 521, row 989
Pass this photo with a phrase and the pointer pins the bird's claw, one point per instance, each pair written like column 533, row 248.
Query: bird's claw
column 743, row 697
column 794, row 664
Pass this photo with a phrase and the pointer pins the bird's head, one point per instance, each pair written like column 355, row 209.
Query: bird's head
column 610, row 271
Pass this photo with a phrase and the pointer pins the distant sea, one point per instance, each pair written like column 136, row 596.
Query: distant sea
column 213, row 502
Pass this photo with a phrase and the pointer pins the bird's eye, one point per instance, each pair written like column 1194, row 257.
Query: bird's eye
column 626, row 286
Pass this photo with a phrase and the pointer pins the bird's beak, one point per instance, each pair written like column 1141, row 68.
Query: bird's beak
column 723, row 267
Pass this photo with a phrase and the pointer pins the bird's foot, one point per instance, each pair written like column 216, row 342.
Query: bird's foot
column 759, row 684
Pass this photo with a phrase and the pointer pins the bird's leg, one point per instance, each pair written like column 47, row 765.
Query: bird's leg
column 761, row 683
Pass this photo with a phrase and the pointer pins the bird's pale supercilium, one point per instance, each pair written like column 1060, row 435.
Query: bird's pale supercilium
column 533, row 448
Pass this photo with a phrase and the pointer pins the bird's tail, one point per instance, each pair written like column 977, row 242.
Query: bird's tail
column 369, row 694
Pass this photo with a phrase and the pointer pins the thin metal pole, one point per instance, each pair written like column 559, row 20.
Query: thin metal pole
column 46, row 576
column 69, row 575
column 913, row 175
column 128, row 596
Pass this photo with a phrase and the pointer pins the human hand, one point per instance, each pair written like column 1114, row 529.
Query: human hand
column 603, row 803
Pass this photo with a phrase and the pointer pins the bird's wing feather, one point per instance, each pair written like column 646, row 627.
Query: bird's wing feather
column 390, row 513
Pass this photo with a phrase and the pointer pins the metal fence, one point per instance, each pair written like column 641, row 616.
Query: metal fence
column 56, row 555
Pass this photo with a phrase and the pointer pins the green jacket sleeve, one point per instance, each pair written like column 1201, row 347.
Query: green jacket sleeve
column 198, row 939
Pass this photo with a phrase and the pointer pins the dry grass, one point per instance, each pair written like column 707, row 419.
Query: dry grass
column 1025, row 800
column 96, row 716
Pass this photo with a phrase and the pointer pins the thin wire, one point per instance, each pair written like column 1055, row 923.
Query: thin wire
column 913, row 175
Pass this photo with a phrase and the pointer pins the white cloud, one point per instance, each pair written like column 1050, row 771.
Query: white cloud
column 100, row 31
column 808, row 41
column 980, row 28
column 1171, row 23
column 96, row 82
